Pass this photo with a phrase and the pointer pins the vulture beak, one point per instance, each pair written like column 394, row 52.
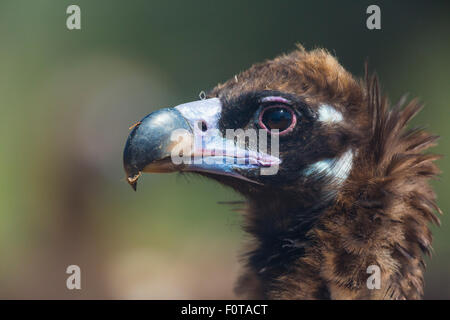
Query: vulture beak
column 188, row 132
column 148, row 146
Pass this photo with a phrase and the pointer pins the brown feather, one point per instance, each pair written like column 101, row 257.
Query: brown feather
column 380, row 215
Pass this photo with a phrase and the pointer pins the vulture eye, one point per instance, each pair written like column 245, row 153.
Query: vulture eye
column 279, row 117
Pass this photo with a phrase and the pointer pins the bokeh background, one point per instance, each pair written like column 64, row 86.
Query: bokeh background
column 67, row 99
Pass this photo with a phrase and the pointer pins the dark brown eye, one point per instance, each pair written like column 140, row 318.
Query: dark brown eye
column 278, row 117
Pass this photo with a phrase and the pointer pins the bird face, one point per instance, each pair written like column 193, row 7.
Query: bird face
column 332, row 180
column 271, row 129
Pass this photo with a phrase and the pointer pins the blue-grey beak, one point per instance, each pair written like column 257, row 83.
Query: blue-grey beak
column 149, row 141
column 154, row 145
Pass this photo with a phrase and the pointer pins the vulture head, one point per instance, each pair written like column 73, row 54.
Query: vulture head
column 337, row 190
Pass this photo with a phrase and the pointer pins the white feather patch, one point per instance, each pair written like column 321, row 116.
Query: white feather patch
column 337, row 169
column 329, row 114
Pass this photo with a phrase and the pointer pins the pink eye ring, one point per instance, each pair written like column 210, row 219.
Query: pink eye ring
column 277, row 116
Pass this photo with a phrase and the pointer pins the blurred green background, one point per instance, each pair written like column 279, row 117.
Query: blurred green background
column 67, row 99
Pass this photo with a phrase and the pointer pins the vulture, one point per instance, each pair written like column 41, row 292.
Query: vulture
column 337, row 193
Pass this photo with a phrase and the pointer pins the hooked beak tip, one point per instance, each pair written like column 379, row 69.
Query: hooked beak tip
column 133, row 180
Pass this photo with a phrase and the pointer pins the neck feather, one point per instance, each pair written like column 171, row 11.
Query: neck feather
column 369, row 241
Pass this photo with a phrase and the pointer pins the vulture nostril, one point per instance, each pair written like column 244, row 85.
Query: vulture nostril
column 202, row 125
